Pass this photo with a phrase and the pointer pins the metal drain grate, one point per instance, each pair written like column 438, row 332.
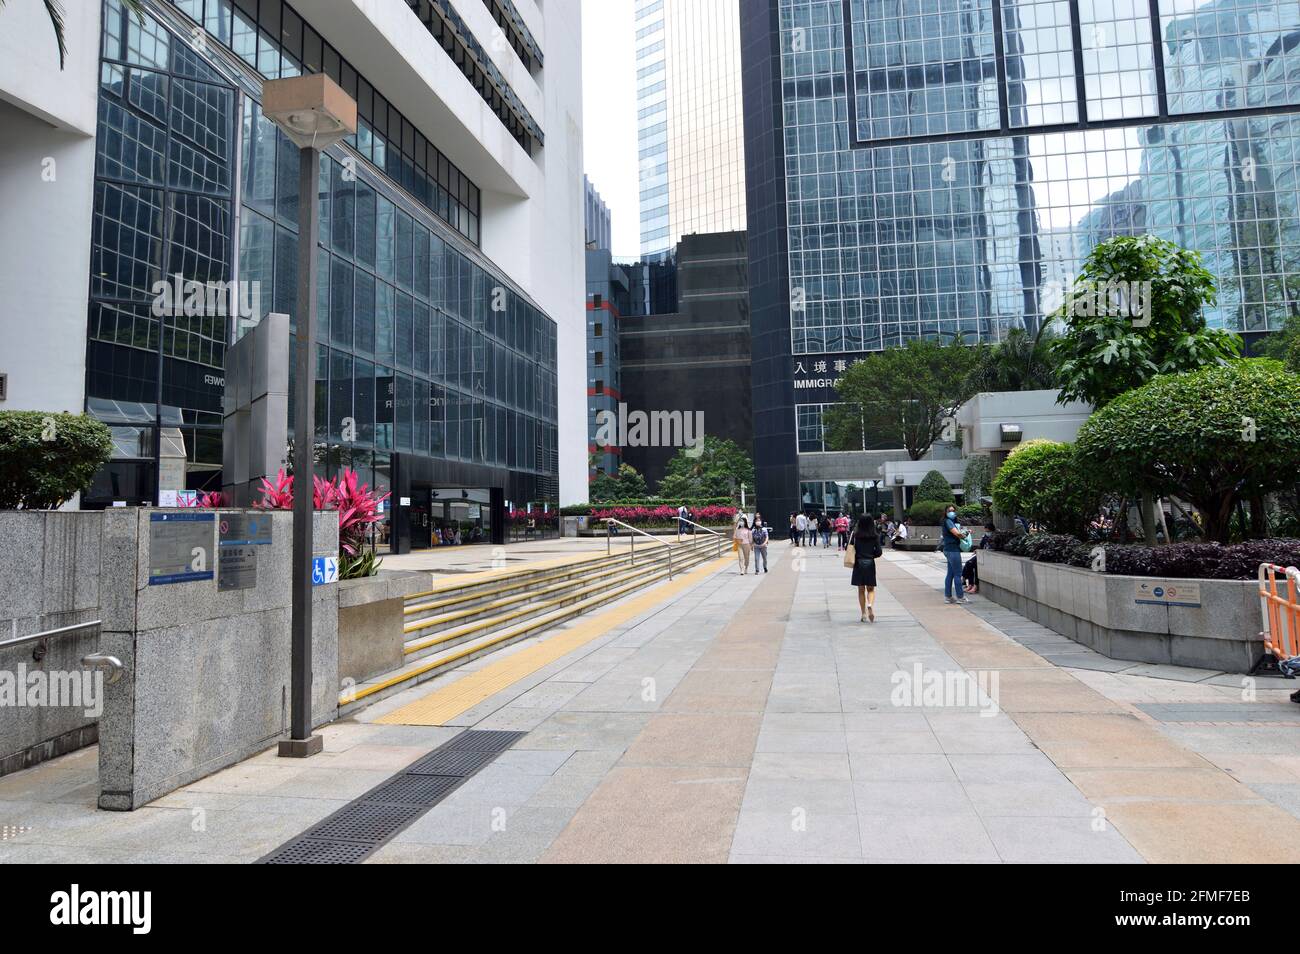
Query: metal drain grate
column 361, row 827
column 316, row 851
column 483, row 740
column 450, row 762
column 425, row 790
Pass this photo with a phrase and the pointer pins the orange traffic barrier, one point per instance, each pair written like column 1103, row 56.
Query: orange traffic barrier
column 1279, row 604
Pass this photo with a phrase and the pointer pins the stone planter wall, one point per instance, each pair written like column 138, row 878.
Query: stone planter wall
column 370, row 623
column 206, row 673
column 1101, row 612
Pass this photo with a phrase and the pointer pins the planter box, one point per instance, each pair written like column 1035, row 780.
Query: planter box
column 1102, row 612
column 370, row 623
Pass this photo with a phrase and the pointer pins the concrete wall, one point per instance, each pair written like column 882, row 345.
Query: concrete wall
column 48, row 578
column 47, row 181
column 371, row 618
column 1100, row 611
column 207, row 673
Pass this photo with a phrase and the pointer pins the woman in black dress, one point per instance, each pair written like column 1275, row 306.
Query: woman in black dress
column 866, row 548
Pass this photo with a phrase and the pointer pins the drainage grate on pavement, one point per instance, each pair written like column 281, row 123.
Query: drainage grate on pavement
column 316, row 851
column 366, row 824
column 450, row 762
column 425, row 790
column 483, row 740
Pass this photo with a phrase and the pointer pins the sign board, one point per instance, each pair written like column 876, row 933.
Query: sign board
column 1167, row 593
column 236, row 568
column 324, row 570
column 240, row 535
column 180, row 547
column 406, row 501
column 178, row 498
column 245, row 529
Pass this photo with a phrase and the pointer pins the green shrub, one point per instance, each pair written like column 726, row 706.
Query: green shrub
column 695, row 503
column 47, row 458
column 1045, row 482
column 927, row 513
column 972, row 515
column 934, row 486
column 976, row 478
column 1211, row 437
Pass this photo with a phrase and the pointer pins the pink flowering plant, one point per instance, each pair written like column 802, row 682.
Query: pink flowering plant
column 358, row 508
column 663, row 516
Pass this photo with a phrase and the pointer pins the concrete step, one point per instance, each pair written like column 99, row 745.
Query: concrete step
column 429, row 642
column 459, row 647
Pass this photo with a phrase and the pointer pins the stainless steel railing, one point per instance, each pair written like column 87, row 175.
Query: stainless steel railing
column 609, row 538
column 110, row 664
column 706, row 530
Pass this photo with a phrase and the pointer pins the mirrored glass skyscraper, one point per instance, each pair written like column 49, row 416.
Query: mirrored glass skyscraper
column 690, row 137
column 933, row 168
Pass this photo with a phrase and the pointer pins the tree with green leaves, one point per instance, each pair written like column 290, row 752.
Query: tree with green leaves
column 1213, row 437
column 1135, row 311
column 716, row 470
column 977, row 478
column 902, row 397
column 627, row 484
column 47, row 458
column 1114, row 341
column 1019, row 362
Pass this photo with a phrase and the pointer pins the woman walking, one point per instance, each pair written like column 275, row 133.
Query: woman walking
column 744, row 544
column 862, row 557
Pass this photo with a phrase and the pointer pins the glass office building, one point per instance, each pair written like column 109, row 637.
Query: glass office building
column 433, row 369
column 933, row 168
column 689, row 131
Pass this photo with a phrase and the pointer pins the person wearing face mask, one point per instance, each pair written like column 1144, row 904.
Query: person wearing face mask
column 953, row 534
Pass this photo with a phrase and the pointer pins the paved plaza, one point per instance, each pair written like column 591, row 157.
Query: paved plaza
column 755, row 719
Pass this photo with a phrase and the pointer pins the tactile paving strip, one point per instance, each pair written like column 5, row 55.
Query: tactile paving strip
column 361, row 827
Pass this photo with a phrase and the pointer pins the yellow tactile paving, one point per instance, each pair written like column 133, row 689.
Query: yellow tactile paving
column 447, row 702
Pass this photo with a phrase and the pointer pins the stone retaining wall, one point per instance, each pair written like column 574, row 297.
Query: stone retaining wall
column 1102, row 612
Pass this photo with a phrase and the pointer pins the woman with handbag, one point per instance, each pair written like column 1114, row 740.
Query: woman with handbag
column 861, row 556
column 742, row 541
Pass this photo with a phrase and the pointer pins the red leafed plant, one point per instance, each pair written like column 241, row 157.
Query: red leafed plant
column 357, row 506
column 208, row 500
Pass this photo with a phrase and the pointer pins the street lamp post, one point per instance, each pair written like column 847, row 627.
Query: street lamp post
column 315, row 113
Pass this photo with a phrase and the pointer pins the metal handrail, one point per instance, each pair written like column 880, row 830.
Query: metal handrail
column 110, row 664
column 38, row 637
column 706, row 530
column 609, row 537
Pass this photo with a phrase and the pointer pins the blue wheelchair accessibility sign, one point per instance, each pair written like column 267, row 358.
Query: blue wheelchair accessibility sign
column 324, row 570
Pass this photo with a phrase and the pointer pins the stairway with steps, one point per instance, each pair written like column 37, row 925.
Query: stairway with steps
column 460, row 620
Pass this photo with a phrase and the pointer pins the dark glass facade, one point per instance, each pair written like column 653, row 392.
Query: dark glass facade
column 942, row 167
column 446, row 370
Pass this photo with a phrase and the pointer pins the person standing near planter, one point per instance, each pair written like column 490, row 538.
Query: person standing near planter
column 744, row 541
column 953, row 534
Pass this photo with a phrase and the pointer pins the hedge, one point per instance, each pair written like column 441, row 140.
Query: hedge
column 585, row 510
column 47, row 458
column 1180, row 561
column 934, row 486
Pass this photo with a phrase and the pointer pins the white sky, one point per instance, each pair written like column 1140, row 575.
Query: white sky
column 609, row 115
